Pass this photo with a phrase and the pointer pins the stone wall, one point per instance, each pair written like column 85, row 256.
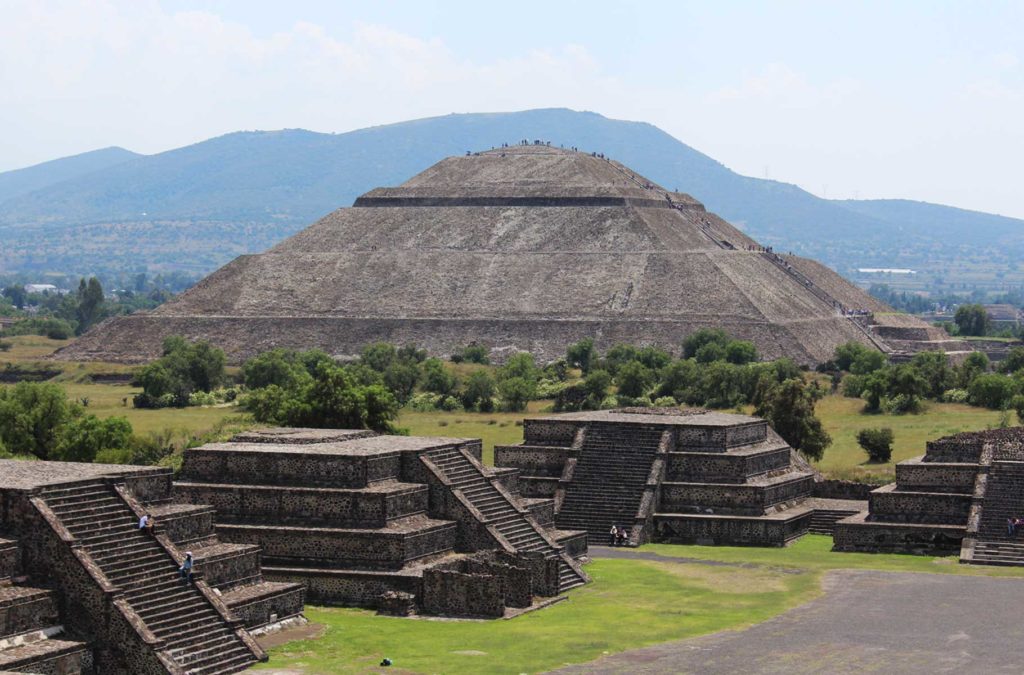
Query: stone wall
column 339, row 507
column 748, row 499
column 843, row 489
column 221, row 464
column 549, row 432
column 719, row 467
column 731, row 530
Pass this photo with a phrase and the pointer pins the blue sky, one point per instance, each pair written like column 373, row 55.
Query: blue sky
column 921, row 100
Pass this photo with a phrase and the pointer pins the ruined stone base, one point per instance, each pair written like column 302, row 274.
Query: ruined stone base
column 858, row 534
column 777, row 529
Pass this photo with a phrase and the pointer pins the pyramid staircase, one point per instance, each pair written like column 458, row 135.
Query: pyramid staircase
column 31, row 634
column 1003, row 499
column 479, row 488
column 194, row 631
column 609, row 480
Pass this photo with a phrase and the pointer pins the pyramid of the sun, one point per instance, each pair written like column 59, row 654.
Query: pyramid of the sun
column 521, row 248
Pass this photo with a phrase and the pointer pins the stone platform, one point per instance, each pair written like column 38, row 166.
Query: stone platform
column 361, row 519
column 73, row 529
column 671, row 475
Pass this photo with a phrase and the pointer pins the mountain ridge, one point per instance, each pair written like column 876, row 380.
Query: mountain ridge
column 274, row 182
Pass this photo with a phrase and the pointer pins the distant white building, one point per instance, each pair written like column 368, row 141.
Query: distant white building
column 40, row 288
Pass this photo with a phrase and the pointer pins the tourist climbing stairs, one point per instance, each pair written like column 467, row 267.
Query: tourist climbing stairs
column 1004, row 499
column 470, row 478
column 609, row 480
column 198, row 638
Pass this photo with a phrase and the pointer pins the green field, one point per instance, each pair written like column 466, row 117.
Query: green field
column 630, row 604
column 840, row 416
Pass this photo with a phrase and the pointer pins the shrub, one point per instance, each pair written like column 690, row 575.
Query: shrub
column 479, row 392
column 5, row 346
column 582, row 355
column 877, row 443
column 955, row 396
column 475, row 353
column 516, row 392
column 53, row 328
column 633, row 379
column 703, row 337
column 740, row 352
column 991, row 391
column 424, row 402
column 437, row 378
column 665, row 402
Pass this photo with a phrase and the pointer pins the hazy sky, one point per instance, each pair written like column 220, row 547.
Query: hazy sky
column 922, row 100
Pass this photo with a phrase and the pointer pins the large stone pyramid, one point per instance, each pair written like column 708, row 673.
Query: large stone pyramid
column 527, row 247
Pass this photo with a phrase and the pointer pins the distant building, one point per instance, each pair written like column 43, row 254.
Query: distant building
column 40, row 288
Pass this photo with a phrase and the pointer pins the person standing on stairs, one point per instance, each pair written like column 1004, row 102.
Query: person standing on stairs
column 613, row 536
column 186, row 568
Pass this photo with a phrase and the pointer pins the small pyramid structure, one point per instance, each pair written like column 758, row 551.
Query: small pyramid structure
column 527, row 247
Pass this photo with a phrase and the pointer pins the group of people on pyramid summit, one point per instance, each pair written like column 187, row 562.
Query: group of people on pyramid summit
column 1012, row 524
column 148, row 525
column 619, row 536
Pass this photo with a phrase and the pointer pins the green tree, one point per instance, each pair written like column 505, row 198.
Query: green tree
column 520, row 365
column 653, row 358
column 618, row 356
column 516, row 392
column 479, row 392
column 847, row 353
column 934, row 368
column 83, row 437
column 185, row 367
column 710, row 352
column 703, row 337
column 596, row 385
column 31, row 415
column 868, row 361
column 379, row 356
column 633, row 379
column 16, row 294
column 90, row 304
column 740, row 352
column 277, row 366
column 972, row 319
column 476, row 353
column 1013, row 362
column 437, row 378
column 332, row 399
column 401, row 378
column 582, row 355
column 877, row 443
column 991, row 391
column 677, row 379
column 975, row 364
column 789, row 409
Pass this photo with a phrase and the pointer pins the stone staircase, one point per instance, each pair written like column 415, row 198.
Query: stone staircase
column 498, row 510
column 1004, row 499
column 31, row 633
column 609, row 479
column 824, row 520
column 198, row 637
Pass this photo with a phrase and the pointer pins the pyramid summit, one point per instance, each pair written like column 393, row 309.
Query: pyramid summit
column 526, row 247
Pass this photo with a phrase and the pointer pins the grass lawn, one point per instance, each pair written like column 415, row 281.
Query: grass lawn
column 497, row 428
column 842, row 419
column 630, row 604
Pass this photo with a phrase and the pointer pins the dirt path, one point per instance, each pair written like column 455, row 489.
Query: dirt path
column 868, row 621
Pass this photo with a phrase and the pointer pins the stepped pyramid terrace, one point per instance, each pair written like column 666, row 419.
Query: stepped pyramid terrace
column 955, row 499
column 397, row 523
column 522, row 248
column 666, row 475
column 83, row 589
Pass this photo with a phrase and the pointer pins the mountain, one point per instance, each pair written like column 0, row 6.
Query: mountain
column 30, row 179
column 195, row 208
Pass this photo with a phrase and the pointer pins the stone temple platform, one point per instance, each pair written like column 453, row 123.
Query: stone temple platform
column 402, row 524
column 82, row 589
column 668, row 475
column 956, row 498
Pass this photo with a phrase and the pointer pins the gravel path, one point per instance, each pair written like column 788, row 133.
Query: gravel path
column 867, row 621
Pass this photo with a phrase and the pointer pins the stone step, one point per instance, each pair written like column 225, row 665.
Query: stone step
column 261, row 603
